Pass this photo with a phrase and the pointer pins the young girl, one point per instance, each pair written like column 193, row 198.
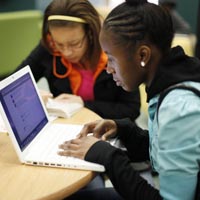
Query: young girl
column 137, row 38
column 69, row 56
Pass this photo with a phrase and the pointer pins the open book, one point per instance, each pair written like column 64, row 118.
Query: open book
column 64, row 110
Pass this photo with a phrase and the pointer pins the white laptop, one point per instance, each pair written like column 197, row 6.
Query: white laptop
column 34, row 137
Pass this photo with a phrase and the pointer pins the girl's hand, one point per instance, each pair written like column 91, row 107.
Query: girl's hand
column 104, row 129
column 45, row 95
column 77, row 147
column 69, row 98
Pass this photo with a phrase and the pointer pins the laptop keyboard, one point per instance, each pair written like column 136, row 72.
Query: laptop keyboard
column 47, row 146
column 45, row 152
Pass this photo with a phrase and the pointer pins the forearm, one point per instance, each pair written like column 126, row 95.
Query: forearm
column 122, row 175
column 135, row 139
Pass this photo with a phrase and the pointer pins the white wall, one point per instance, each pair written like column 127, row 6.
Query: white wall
column 41, row 4
column 113, row 3
column 153, row 1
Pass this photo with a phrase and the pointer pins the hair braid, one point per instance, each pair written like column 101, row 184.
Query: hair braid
column 128, row 26
column 133, row 21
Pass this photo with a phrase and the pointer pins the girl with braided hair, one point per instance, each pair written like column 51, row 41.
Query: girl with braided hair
column 137, row 37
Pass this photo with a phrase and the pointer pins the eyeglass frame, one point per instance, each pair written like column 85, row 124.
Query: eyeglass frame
column 72, row 47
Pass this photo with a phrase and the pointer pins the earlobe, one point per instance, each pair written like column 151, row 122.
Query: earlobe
column 145, row 54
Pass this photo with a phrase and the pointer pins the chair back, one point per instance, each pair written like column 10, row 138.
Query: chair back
column 186, row 41
column 20, row 31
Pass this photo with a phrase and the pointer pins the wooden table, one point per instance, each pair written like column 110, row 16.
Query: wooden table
column 21, row 182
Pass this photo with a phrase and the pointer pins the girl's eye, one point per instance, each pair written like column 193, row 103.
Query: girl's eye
column 73, row 45
column 110, row 60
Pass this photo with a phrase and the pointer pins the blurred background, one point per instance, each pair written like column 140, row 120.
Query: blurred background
column 187, row 9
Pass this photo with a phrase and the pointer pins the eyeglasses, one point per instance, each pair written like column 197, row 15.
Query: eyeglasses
column 73, row 46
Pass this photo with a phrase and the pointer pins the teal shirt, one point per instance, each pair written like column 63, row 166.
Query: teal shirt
column 175, row 142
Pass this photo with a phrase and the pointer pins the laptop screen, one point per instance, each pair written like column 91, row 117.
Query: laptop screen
column 23, row 109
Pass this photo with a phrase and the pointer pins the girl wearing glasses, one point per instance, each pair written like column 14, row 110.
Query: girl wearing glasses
column 70, row 57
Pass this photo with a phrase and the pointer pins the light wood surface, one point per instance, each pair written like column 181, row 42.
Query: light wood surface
column 21, row 182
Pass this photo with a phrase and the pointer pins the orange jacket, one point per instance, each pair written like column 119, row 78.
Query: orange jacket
column 73, row 74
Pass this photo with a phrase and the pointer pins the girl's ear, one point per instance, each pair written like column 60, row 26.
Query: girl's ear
column 144, row 55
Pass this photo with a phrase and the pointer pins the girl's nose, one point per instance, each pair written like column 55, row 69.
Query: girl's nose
column 109, row 70
column 66, row 52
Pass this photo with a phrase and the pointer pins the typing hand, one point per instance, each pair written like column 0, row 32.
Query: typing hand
column 77, row 147
column 104, row 129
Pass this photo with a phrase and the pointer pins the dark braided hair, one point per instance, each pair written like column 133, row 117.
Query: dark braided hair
column 139, row 21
